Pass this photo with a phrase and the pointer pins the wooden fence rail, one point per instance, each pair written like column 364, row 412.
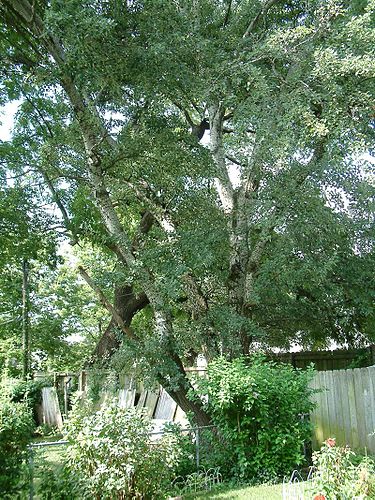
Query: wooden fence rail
column 345, row 408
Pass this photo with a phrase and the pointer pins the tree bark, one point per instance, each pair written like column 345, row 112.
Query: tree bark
column 223, row 184
column 190, row 407
column 126, row 305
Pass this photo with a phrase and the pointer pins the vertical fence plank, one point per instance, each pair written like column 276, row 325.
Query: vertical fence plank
column 353, row 410
column 331, row 404
column 370, row 409
column 367, row 407
column 315, row 414
column 359, row 404
column 319, row 410
column 348, row 422
column 345, row 407
column 346, row 410
column 326, row 427
column 336, row 402
column 339, row 414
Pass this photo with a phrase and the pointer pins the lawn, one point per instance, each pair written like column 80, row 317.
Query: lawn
column 269, row 492
column 50, row 456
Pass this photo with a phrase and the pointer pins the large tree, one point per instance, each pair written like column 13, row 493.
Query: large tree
column 214, row 149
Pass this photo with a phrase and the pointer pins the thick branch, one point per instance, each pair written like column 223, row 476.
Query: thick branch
column 223, row 184
column 92, row 130
column 105, row 302
column 127, row 304
column 234, row 160
column 197, row 129
column 159, row 212
column 64, row 213
column 143, row 228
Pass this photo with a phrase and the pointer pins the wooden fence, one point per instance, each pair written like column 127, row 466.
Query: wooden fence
column 345, row 408
column 339, row 359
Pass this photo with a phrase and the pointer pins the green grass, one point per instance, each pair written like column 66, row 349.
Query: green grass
column 49, row 456
column 266, row 492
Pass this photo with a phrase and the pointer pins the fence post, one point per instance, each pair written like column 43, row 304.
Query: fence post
column 372, row 353
column 31, row 473
column 197, row 447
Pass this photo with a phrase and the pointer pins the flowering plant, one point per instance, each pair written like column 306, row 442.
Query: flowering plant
column 337, row 478
column 331, row 442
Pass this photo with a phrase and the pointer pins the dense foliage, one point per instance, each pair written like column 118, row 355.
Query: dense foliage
column 29, row 392
column 16, row 426
column 111, row 450
column 214, row 155
column 259, row 411
column 59, row 483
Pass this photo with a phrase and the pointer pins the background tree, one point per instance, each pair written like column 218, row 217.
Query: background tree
column 259, row 231
column 23, row 241
column 64, row 320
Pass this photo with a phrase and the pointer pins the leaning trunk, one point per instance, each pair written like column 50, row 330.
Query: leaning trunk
column 127, row 304
column 181, row 384
column 201, row 418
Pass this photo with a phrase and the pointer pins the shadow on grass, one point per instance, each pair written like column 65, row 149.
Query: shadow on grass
column 269, row 492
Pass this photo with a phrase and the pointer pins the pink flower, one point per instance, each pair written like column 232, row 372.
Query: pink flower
column 319, row 496
column 330, row 442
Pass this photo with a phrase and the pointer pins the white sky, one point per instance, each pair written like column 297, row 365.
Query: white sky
column 7, row 113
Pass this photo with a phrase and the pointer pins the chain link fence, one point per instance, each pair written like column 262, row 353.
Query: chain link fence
column 40, row 455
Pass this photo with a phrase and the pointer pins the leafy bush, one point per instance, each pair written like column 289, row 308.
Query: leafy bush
column 16, row 426
column 184, row 443
column 257, row 407
column 30, row 392
column 337, row 477
column 112, row 449
column 60, row 484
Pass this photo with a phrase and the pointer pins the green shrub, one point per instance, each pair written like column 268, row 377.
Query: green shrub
column 184, row 442
column 257, row 407
column 16, row 426
column 337, row 477
column 30, row 392
column 60, row 484
column 112, row 449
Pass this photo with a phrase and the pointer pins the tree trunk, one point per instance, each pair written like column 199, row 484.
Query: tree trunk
column 201, row 418
column 127, row 304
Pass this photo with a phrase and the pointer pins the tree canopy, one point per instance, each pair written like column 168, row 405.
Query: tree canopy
column 213, row 152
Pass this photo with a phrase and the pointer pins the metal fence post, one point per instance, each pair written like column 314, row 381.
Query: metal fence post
column 31, row 473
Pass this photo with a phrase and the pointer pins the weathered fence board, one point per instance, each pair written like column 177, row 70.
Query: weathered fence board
column 345, row 408
column 166, row 407
column 50, row 408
